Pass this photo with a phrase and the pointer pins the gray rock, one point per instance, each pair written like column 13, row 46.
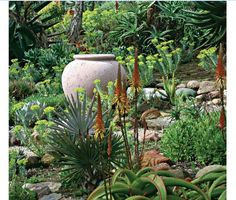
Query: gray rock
column 214, row 94
column 209, row 168
column 161, row 94
column 41, row 192
column 182, row 85
column 53, row 196
column 53, row 186
column 187, row 92
column 199, row 98
column 178, row 172
column 193, row 84
column 159, row 85
column 151, row 135
column 159, row 123
column 32, row 160
column 206, row 87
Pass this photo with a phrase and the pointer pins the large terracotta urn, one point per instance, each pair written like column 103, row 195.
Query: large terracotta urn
column 86, row 68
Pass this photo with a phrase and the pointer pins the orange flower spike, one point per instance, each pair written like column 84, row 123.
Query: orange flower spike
column 222, row 119
column 220, row 71
column 136, row 76
column 118, row 84
column 117, row 6
column 124, row 96
column 109, row 147
column 99, row 125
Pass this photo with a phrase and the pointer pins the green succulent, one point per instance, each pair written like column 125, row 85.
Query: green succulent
column 210, row 17
column 146, row 184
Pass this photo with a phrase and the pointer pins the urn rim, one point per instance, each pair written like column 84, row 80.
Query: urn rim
column 94, row 57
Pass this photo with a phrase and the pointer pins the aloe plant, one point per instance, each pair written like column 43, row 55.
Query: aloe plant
column 211, row 17
column 145, row 184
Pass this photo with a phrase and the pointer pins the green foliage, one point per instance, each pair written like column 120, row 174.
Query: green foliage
column 210, row 17
column 170, row 88
column 17, row 173
column 28, row 26
column 78, row 118
column 208, row 59
column 80, row 158
column 20, row 89
column 195, row 139
column 168, row 58
column 213, row 183
column 145, row 184
column 17, row 192
column 97, row 28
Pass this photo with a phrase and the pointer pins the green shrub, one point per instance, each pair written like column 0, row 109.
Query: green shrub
column 20, row 89
column 17, row 173
column 192, row 139
column 208, row 59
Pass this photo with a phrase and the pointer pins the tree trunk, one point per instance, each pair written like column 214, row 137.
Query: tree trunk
column 76, row 23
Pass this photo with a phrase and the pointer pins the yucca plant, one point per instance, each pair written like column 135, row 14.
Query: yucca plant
column 146, row 184
column 78, row 118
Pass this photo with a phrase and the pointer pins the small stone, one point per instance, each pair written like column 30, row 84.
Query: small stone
column 162, row 166
column 159, row 123
column 32, row 161
column 179, row 173
column 47, row 159
column 193, row 84
column 41, row 190
column 150, row 135
column 216, row 101
column 161, row 94
column 199, row 98
column 159, row 85
column 209, row 168
column 206, row 87
column 214, row 94
column 186, row 92
column 182, row 85
column 53, row 196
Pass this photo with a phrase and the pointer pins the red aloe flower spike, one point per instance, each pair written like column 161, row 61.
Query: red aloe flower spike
column 109, row 146
column 117, row 5
column 125, row 100
column 222, row 119
column 220, row 71
column 99, row 124
column 136, row 76
column 118, row 84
